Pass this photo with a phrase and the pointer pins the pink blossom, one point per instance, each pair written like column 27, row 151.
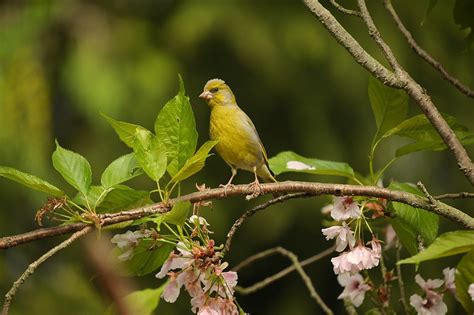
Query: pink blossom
column 428, row 285
column 363, row 257
column 376, row 248
column 127, row 242
column 342, row 265
column 471, row 291
column 173, row 262
column 390, row 237
column 197, row 220
column 354, row 288
column 345, row 208
column 344, row 236
column 432, row 304
column 327, row 209
column 208, row 310
column 449, row 277
column 171, row 292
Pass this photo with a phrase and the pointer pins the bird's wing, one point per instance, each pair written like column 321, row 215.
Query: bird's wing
column 249, row 122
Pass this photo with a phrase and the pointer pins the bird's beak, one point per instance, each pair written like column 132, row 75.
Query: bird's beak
column 206, row 95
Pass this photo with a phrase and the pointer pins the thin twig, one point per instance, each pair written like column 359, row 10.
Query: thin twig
column 460, row 195
column 307, row 281
column 34, row 265
column 270, row 188
column 433, row 201
column 344, row 10
column 269, row 280
column 254, row 210
column 423, row 54
column 401, row 285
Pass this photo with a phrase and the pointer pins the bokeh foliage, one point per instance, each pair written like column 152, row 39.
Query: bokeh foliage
column 64, row 62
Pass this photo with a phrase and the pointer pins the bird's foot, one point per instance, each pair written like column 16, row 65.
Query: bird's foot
column 226, row 187
column 256, row 189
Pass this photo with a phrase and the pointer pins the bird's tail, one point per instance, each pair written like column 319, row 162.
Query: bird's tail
column 265, row 173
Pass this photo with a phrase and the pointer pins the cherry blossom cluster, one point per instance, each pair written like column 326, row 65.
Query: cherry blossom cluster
column 355, row 255
column 431, row 302
column 197, row 266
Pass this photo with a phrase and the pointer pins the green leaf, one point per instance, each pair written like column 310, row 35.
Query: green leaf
column 73, row 167
column 30, row 181
column 419, row 128
column 409, row 222
column 195, row 163
column 447, row 244
column 125, row 131
column 464, row 277
column 150, row 154
column 177, row 215
column 462, row 13
column 389, row 106
column 119, row 171
column 124, row 198
column 148, row 256
column 176, row 128
column 291, row 162
column 144, row 302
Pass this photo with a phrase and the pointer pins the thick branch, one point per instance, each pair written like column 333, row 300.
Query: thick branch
column 423, row 54
column 34, row 265
column 271, row 188
column 399, row 79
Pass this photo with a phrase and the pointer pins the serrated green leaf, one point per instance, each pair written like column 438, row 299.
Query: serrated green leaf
column 409, row 222
column 30, row 181
column 289, row 161
column 388, row 105
column 148, row 256
column 125, row 131
column 150, row 154
column 447, row 244
column 123, row 198
column 122, row 169
column 464, row 277
column 73, row 167
column 178, row 214
column 195, row 163
column 176, row 128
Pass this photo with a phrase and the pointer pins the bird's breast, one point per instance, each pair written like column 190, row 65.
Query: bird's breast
column 238, row 144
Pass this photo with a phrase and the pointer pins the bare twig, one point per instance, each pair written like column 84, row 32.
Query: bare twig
column 423, row 54
column 34, row 265
column 397, row 79
column 344, row 10
column 401, row 285
column 299, row 268
column 269, row 280
column 427, row 194
column 460, row 195
column 254, row 210
column 270, row 188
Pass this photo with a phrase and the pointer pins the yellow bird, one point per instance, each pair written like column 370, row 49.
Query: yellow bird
column 239, row 144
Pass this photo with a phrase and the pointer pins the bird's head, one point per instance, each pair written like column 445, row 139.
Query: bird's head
column 217, row 93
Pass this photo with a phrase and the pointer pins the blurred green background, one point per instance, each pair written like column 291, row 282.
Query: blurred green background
column 64, row 62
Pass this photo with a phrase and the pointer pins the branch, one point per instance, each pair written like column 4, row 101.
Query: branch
column 399, row 79
column 423, row 54
column 344, row 10
column 310, row 188
column 254, row 210
column 351, row 45
column 298, row 266
column 455, row 195
column 34, row 265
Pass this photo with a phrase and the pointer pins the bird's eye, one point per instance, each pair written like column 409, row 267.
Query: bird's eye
column 214, row 90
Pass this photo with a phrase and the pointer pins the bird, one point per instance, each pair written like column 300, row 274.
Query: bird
column 239, row 144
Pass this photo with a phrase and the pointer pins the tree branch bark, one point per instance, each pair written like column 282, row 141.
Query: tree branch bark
column 311, row 188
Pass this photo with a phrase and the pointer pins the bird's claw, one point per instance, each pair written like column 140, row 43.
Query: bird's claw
column 226, row 187
column 256, row 189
